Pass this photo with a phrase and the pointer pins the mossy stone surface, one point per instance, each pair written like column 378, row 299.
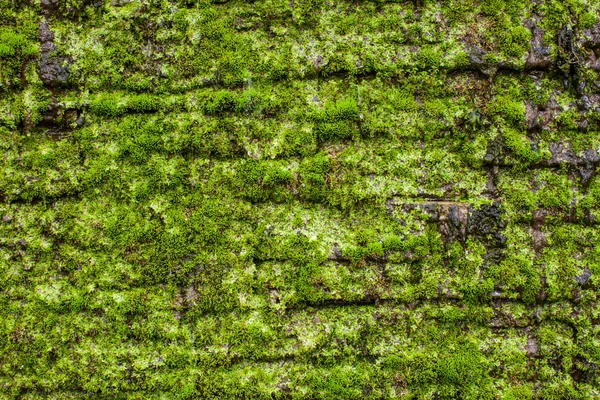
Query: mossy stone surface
column 299, row 199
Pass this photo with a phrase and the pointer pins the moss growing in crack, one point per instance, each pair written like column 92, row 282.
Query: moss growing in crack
column 107, row 105
column 143, row 103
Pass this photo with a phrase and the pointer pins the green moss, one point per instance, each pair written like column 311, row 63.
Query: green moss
column 520, row 146
column 492, row 7
column 16, row 50
column 143, row 103
column 337, row 120
column 107, row 105
column 13, row 44
column 519, row 392
column 461, row 60
column 429, row 58
column 259, row 200
column 555, row 191
column 515, row 41
column 313, row 177
column 305, row 12
column 587, row 20
column 508, row 110
column 259, row 181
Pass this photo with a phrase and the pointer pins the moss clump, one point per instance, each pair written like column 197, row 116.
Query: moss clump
column 16, row 51
column 108, row 105
column 515, row 41
column 337, row 121
column 506, row 109
column 313, row 177
column 115, row 104
column 520, row 146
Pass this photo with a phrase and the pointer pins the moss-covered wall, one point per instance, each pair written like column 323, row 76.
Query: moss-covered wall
column 299, row 199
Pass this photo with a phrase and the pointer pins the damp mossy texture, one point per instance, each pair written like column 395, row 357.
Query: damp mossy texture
column 299, row 199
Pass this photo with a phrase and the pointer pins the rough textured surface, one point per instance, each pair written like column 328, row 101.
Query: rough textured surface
column 299, row 199
column 50, row 70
